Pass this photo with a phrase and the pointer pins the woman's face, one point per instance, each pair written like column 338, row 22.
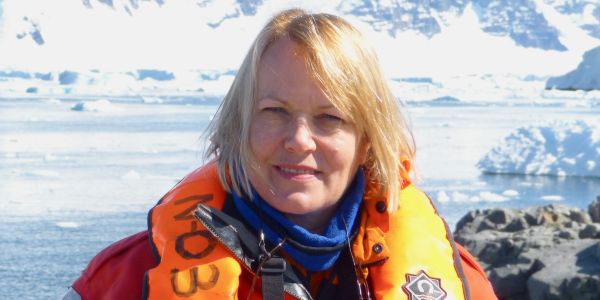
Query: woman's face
column 307, row 152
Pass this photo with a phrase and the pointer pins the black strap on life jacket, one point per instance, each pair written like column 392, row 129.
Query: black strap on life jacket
column 269, row 266
column 271, row 275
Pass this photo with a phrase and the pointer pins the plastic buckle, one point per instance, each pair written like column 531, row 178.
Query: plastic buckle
column 273, row 265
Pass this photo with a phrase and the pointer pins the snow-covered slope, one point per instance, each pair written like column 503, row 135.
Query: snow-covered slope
column 585, row 77
column 585, row 14
column 414, row 37
column 522, row 21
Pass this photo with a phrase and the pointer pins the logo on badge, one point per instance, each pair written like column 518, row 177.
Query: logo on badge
column 423, row 287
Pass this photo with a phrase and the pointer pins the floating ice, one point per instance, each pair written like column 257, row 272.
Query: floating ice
column 101, row 105
column 484, row 196
column 552, row 198
column 556, row 148
column 510, row 193
column 42, row 174
column 67, row 224
column 492, row 197
column 131, row 175
column 442, row 197
column 152, row 100
column 53, row 101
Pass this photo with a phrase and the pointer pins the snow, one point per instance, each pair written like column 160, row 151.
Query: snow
column 585, row 77
column 482, row 196
column 552, row 198
column 67, row 224
column 510, row 193
column 48, row 174
column 462, row 62
column 102, row 105
column 410, row 54
column 131, row 175
column 152, row 100
column 462, row 47
column 492, row 197
column 557, row 148
column 571, row 35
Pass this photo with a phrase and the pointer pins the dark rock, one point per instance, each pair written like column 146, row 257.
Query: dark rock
column 531, row 218
column 486, row 224
column 580, row 216
column 549, row 252
column 590, row 231
column 500, row 216
column 567, row 234
column 582, row 286
column 539, row 289
column 596, row 251
column 594, row 210
column 509, row 281
column 466, row 220
column 517, row 224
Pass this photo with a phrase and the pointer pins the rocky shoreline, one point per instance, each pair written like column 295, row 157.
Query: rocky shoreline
column 548, row 252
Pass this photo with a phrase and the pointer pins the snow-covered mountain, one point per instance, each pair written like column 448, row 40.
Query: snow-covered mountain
column 521, row 20
column 415, row 37
column 585, row 77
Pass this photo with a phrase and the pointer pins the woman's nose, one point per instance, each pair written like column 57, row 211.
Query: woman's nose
column 300, row 138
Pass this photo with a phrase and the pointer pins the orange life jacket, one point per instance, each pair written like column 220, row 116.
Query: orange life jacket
column 409, row 254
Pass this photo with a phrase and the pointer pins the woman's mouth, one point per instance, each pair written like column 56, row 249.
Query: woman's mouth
column 297, row 172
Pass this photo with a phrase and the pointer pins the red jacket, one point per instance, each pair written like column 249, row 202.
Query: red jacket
column 117, row 272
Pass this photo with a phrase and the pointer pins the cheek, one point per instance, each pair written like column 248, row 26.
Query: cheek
column 342, row 151
column 263, row 140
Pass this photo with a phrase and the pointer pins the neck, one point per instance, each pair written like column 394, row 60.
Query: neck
column 314, row 222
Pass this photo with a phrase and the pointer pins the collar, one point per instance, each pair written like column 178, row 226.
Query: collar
column 315, row 252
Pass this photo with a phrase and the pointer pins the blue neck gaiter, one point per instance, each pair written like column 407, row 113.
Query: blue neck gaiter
column 314, row 252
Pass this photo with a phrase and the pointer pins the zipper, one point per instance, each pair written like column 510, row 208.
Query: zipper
column 240, row 260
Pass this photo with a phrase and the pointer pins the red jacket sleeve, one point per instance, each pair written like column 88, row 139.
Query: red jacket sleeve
column 117, row 272
column 479, row 286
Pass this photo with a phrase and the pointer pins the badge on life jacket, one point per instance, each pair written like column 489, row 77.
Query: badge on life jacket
column 423, row 287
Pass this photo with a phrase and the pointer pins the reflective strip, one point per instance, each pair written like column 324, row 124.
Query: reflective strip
column 71, row 295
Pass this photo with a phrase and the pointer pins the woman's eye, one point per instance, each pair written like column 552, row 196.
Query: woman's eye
column 274, row 110
column 327, row 122
column 329, row 117
column 274, row 115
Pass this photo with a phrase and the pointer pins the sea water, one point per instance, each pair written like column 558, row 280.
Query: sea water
column 74, row 181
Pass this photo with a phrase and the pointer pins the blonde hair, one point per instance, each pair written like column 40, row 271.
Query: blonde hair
column 348, row 72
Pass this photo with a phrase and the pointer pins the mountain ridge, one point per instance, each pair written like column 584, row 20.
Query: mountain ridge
column 153, row 27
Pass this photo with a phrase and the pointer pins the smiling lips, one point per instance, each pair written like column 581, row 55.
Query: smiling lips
column 297, row 171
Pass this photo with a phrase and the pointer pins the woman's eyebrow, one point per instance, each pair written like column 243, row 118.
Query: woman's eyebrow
column 285, row 102
column 326, row 106
column 271, row 98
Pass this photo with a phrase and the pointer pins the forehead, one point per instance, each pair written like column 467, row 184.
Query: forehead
column 283, row 61
column 283, row 49
column 283, row 73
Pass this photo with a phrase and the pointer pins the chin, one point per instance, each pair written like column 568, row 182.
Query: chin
column 294, row 205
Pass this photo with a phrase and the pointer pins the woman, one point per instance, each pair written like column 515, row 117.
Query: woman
column 307, row 197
